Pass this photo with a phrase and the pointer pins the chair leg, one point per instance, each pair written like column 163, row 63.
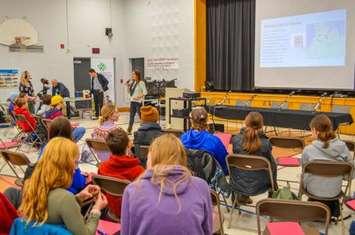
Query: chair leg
column 342, row 221
column 231, row 213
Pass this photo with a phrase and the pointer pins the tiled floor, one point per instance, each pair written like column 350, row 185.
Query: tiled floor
column 243, row 224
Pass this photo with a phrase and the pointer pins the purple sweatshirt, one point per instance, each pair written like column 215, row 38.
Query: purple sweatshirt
column 143, row 213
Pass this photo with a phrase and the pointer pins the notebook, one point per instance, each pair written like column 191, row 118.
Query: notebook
column 283, row 228
column 288, row 161
column 107, row 228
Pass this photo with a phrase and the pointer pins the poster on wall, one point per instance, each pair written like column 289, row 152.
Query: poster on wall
column 162, row 63
column 106, row 67
column 9, row 79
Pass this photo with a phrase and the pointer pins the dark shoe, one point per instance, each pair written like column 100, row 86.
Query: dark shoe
column 129, row 131
column 242, row 199
column 95, row 118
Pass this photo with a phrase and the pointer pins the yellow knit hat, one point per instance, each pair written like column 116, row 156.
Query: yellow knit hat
column 57, row 99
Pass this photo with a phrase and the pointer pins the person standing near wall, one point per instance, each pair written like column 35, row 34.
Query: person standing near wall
column 137, row 91
column 26, row 88
column 99, row 84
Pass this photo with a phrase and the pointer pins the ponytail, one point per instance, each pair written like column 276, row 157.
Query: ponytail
column 251, row 141
column 322, row 124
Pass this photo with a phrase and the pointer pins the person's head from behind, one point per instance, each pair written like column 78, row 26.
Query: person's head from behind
column 136, row 75
column 109, row 112
column 322, row 129
column 21, row 102
column 254, row 123
column 166, row 150
column 57, row 102
column 47, row 99
column 60, row 127
column 117, row 141
column 199, row 118
column 54, row 170
column 92, row 73
column 149, row 114
column 54, row 82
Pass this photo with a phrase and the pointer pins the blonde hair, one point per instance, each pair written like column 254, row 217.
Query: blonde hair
column 24, row 80
column 166, row 153
column 54, row 170
column 106, row 112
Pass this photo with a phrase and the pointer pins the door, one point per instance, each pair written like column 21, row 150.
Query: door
column 81, row 73
column 138, row 64
column 82, row 79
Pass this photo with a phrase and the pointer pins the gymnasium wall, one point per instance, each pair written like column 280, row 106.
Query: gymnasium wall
column 132, row 23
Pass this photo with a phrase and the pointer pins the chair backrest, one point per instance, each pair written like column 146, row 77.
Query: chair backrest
column 177, row 133
column 15, row 158
column 202, row 164
column 293, row 210
column 110, row 185
column 287, row 142
column 22, row 118
column 97, row 144
column 350, row 145
column 250, row 163
column 143, row 151
column 46, row 122
column 328, row 168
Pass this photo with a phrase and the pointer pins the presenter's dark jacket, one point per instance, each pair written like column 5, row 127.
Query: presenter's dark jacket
column 256, row 182
column 61, row 90
column 102, row 80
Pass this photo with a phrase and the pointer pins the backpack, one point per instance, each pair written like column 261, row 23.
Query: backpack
column 284, row 193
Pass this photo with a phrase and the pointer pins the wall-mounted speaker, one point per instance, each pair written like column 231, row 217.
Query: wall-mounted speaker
column 108, row 32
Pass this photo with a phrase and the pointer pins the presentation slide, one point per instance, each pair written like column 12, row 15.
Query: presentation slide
column 305, row 44
column 317, row 39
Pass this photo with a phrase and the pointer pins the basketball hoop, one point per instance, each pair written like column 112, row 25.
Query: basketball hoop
column 20, row 42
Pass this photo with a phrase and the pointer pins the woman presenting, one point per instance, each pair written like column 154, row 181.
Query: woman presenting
column 26, row 88
column 137, row 91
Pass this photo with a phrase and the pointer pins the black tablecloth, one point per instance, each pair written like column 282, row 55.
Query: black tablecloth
column 295, row 119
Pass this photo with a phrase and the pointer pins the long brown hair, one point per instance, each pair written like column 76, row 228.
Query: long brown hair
column 54, row 170
column 138, row 74
column 254, row 122
column 60, row 127
column 165, row 153
column 322, row 124
column 25, row 78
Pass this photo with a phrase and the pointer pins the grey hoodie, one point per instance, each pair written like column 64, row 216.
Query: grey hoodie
column 320, row 186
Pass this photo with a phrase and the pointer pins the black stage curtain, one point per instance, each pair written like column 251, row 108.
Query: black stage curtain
column 230, row 44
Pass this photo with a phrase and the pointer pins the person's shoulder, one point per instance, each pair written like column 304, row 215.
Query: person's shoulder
column 60, row 195
column 200, row 184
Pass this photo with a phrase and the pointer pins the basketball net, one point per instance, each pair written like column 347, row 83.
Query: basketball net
column 19, row 41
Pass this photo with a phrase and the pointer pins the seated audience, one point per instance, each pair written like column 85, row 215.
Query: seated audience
column 329, row 148
column 199, row 138
column 148, row 130
column 166, row 199
column 21, row 108
column 108, row 119
column 57, row 103
column 120, row 165
column 252, row 140
column 45, row 198
column 59, row 127
column 45, row 106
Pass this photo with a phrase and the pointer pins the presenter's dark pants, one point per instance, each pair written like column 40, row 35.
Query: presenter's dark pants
column 133, row 109
column 99, row 101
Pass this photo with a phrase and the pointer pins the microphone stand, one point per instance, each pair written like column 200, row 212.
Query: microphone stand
column 286, row 100
column 319, row 103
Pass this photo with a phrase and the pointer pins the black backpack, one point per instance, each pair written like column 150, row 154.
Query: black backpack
column 202, row 164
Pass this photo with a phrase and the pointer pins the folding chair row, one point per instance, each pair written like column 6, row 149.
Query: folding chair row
column 15, row 160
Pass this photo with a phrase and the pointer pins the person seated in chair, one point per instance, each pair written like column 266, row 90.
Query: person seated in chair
column 252, row 141
column 148, row 130
column 45, row 198
column 120, row 165
column 199, row 138
column 45, row 106
column 108, row 119
column 21, row 108
column 329, row 148
column 57, row 103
